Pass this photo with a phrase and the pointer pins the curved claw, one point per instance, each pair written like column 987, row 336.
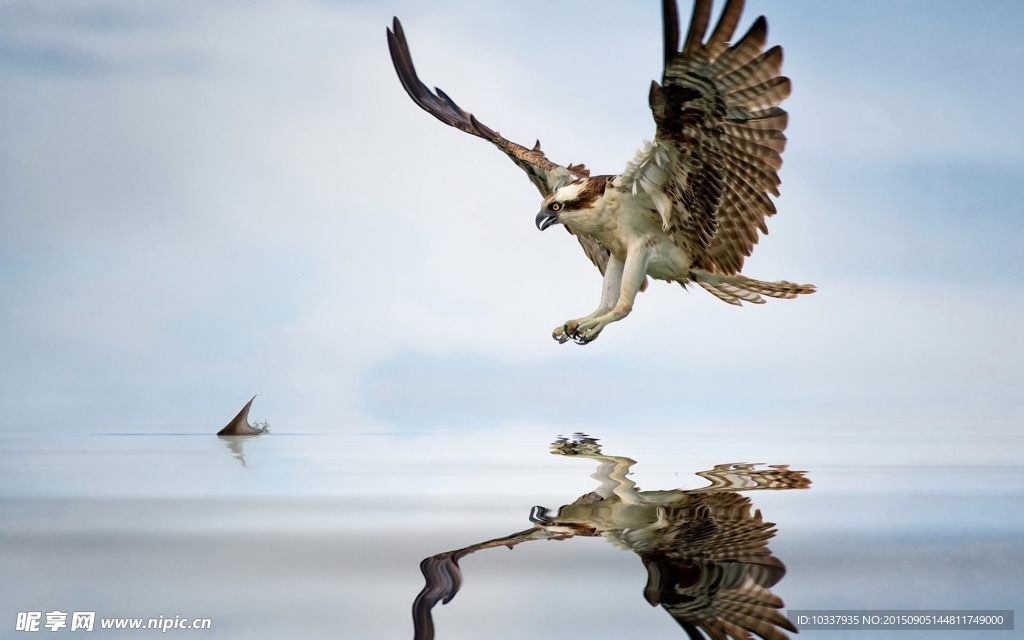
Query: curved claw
column 585, row 336
column 578, row 339
column 562, row 334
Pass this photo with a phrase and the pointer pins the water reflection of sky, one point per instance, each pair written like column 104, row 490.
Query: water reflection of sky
column 858, row 459
column 341, row 523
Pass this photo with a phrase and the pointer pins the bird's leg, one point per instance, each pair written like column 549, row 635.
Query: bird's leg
column 609, row 296
column 612, row 474
column 634, row 271
column 612, row 471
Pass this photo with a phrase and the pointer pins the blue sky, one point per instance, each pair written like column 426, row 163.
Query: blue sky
column 199, row 202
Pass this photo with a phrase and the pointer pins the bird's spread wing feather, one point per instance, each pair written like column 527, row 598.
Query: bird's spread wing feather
column 711, row 569
column 546, row 175
column 739, row 476
column 444, row 578
column 717, row 151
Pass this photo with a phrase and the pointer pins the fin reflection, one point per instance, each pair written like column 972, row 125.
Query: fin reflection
column 236, row 447
column 707, row 557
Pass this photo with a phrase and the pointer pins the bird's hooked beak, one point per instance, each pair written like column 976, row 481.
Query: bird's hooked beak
column 540, row 515
column 545, row 219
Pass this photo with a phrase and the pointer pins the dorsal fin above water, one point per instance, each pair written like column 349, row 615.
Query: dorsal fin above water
column 240, row 425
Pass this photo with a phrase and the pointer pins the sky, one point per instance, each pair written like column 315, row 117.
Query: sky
column 200, row 201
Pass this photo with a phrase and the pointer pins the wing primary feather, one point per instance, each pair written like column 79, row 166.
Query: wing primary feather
column 770, row 138
column 444, row 96
column 761, row 69
column 724, row 30
column 756, row 35
column 690, row 630
column 698, row 26
column 762, row 96
column 670, row 18
column 403, row 63
column 544, row 174
column 440, row 106
column 746, row 49
column 770, row 119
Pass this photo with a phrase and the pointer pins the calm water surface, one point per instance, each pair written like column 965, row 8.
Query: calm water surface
column 321, row 536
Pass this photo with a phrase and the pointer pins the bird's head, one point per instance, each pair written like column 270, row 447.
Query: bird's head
column 571, row 204
column 569, row 526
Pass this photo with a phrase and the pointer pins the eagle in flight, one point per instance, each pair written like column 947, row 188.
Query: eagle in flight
column 690, row 206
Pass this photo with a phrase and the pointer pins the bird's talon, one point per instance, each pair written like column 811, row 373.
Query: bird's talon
column 582, row 339
column 561, row 334
column 566, row 332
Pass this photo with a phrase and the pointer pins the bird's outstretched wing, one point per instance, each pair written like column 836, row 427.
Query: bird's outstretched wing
column 444, row 578
column 547, row 176
column 741, row 476
column 711, row 569
column 719, row 137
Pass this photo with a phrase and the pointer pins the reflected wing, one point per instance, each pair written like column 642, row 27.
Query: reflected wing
column 711, row 569
column 744, row 477
column 719, row 139
column 443, row 577
column 547, row 176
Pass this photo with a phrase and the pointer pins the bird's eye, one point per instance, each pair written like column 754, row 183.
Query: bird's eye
column 556, row 206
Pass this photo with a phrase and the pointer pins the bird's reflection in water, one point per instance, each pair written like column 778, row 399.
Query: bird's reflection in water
column 236, row 444
column 707, row 557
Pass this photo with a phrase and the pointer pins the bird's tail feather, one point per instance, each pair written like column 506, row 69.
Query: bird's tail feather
column 738, row 289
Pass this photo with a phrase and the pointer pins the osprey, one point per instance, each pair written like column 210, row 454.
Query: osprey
column 706, row 554
column 690, row 206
